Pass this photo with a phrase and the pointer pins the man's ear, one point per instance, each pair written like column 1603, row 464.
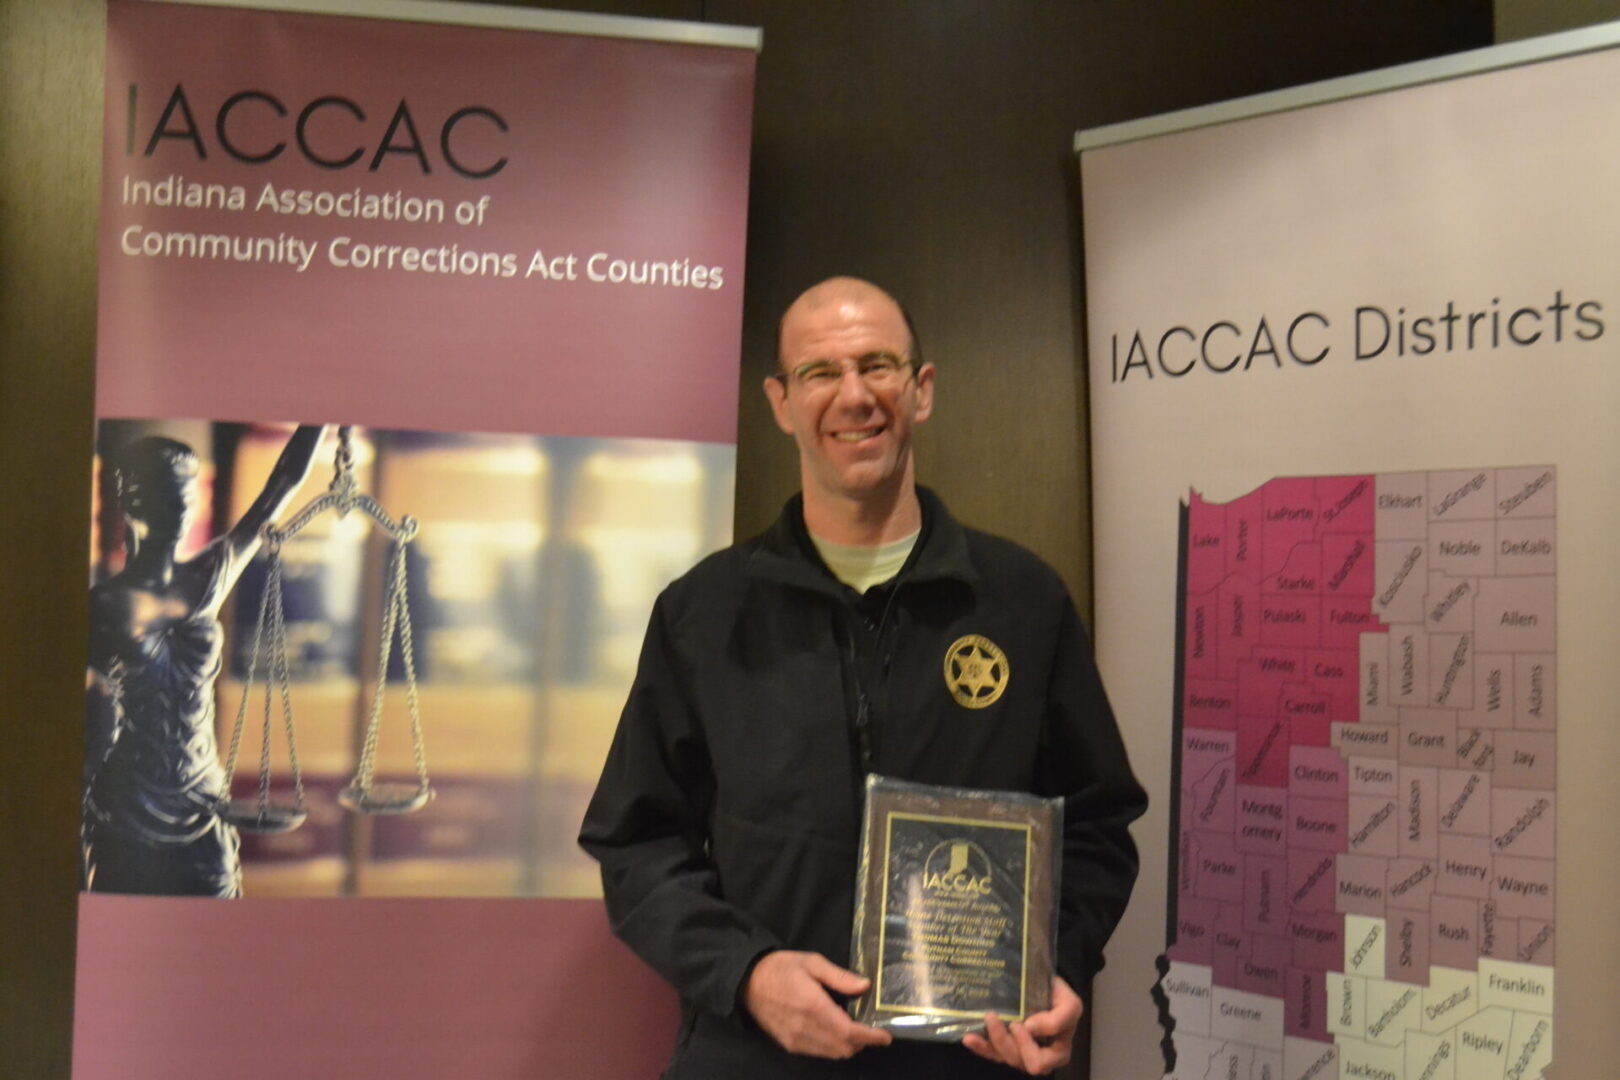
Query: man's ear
column 776, row 394
column 925, row 392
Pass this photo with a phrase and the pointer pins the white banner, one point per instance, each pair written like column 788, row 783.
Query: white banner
column 1353, row 380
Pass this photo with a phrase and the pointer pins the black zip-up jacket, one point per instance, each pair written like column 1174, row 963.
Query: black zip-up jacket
column 728, row 814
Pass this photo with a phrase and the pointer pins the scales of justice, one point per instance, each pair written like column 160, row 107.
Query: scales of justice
column 363, row 795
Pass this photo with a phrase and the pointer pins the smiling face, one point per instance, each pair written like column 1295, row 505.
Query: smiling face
column 854, row 433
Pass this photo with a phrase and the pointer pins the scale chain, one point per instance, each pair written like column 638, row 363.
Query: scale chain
column 368, row 753
column 396, row 617
column 247, row 692
column 272, row 587
column 284, row 678
column 407, row 653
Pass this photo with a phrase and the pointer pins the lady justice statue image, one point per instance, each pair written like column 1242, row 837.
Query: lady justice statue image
column 154, row 787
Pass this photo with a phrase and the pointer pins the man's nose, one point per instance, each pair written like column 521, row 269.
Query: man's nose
column 852, row 388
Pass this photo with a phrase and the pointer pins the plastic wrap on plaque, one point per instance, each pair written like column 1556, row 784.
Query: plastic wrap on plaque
column 955, row 907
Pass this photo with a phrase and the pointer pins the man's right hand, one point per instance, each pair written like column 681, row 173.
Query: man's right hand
column 787, row 994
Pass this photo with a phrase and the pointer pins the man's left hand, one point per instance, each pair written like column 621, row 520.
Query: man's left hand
column 1042, row 1042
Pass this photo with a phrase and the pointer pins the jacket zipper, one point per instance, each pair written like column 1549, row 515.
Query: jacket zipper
column 863, row 705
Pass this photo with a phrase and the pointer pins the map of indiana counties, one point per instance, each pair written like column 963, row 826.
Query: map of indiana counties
column 1362, row 876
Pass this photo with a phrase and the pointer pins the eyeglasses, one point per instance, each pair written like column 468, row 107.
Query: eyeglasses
column 878, row 370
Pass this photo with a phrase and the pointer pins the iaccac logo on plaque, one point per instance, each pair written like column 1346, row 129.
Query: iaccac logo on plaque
column 975, row 671
column 957, row 867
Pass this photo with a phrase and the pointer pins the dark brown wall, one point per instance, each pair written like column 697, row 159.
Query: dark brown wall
column 922, row 143
column 928, row 146
column 50, row 104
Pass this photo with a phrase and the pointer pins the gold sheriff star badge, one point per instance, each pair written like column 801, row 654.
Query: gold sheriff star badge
column 975, row 671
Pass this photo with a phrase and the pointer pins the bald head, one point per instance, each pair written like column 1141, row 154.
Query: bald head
column 849, row 388
column 826, row 297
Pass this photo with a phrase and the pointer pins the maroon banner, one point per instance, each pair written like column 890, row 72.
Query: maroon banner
column 417, row 380
column 420, row 226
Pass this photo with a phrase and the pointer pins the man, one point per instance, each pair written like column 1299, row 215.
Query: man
column 778, row 673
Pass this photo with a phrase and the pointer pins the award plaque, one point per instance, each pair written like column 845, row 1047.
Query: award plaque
column 955, row 907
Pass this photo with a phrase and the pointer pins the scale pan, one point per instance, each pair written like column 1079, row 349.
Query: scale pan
column 249, row 817
column 385, row 798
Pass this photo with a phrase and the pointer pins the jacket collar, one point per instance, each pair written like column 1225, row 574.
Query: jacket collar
column 785, row 554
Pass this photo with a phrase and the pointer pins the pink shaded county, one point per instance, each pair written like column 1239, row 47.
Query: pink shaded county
column 1372, row 822
column 1200, row 749
column 1261, row 971
column 1345, row 620
column 1205, row 755
column 1528, row 759
column 1411, row 883
column 1264, row 880
column 1463, row 549
column 1309, row 715
column 1290, row 513
column 1361, row 888
column 1458, row 494
column 1526, row 547
column 1305, row 1006
column 1347, row 566
column 1428, row 737
column 1262, row 751
column 1535, row 686
column 1526, row 492
column 1347, row 504
column 1406, row 952
column 1516, row 614
column 1231, row 944
column 1318, row 940
column 1198, row 650
column 1218, row 870
column 1372, row 776
column 1451, row 659
column 1312, row 881
column 1237, row 623
column 1373, row 686
column 1316, row 824
column 1244, row 526
column 1448, row 606
column 1300, row 575
column 1465, row 867
column 1336, row 673
column 1195, row 930
column 1206, row 545
column 1399, row 577
column 1310, row 731
column 1419, row 798
column 1290, row 621
column 1522, row 822
column 1464, row 802
column 1366, row 740
column 1493, row 690
column 1210, row 703
column 1317, row 773
column 1262, row 677
column 1498, row 933
column 1206, row 803
column 1454, row 932
column 1261, row 814
column 1476, row 747
column 1538, row 943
